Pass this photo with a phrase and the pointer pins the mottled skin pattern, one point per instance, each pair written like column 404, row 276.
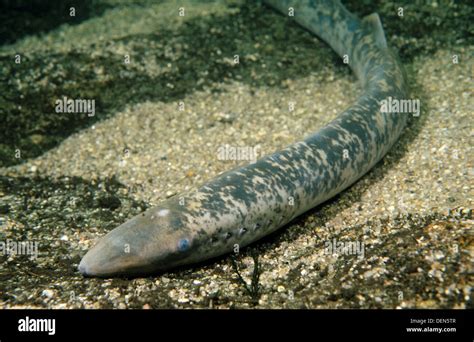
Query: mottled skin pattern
column 245, row 204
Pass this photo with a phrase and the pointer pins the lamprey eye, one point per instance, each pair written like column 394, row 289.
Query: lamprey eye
column 183, row 245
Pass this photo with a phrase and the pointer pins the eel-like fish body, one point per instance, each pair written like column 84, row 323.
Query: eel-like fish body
column 245, row 204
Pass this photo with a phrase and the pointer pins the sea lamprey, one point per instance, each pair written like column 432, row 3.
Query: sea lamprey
column 243, row 205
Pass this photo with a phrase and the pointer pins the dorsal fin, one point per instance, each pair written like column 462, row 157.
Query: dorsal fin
column 375, row 25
